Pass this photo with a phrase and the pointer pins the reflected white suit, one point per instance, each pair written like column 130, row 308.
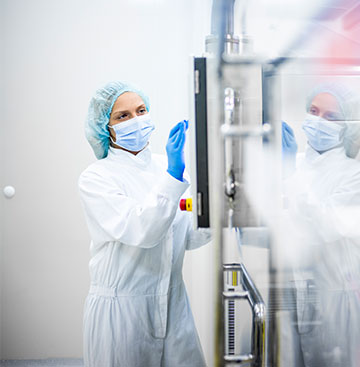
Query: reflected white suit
column 137, row 312
column 324, row 206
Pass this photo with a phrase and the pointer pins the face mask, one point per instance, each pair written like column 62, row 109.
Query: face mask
column 133, row 134
column 323, row 134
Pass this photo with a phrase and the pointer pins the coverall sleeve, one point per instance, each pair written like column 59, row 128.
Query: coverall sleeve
column 113, row 216
column 197, row 238
column 341, row 213
column 337, row 217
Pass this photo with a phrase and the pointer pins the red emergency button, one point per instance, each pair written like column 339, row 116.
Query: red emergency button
column 186, row 204
column 183, row 204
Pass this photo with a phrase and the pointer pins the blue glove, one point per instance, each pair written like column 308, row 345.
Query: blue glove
column 175, row 150
column 289, row 149
column 289, row 145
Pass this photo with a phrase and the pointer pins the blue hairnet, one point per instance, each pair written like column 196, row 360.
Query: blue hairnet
column 96, row 130
column 349, row 107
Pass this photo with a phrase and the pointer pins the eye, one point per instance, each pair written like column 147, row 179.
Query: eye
column 313, row 111
column 142, row 110
column 332, row 117
column 122, row 116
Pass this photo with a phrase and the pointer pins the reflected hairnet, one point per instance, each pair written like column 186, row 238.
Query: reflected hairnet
column 349, row 107
column 96, row 130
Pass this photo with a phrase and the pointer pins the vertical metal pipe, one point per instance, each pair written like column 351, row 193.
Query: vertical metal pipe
column 218, row 7
column 229, row 23
column 222, row 39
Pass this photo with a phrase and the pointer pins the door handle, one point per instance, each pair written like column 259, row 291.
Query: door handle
column 9, row 192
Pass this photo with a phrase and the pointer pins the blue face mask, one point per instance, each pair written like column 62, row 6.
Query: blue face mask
column 322, row 134
column 133, row 134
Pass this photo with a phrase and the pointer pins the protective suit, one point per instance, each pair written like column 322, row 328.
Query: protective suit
column 323, row 199
column 137, row 312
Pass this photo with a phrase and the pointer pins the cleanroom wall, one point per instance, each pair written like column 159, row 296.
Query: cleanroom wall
column 2, row 157
column 54, row 55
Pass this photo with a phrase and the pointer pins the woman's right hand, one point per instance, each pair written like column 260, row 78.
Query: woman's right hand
column 289, row 145
column 175, row 150
column 289, row 149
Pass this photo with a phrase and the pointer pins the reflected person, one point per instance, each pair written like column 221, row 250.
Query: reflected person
column 324, row 200
column 137, row 311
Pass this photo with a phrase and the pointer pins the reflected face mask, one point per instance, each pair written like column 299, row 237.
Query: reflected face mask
column 322, row 134
column 133, row 134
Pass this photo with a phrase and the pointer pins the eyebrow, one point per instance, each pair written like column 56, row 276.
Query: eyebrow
column 119, row 112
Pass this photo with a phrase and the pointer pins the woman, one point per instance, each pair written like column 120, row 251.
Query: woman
column 137, row 312
column 324, row 200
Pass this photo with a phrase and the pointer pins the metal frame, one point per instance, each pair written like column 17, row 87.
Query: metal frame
column 256, row 357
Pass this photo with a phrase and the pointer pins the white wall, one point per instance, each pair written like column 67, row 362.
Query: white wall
column 55, row 54
column 1, row 160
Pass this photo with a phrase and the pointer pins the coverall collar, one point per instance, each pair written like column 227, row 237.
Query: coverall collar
column 143, row 158
column 314, row 157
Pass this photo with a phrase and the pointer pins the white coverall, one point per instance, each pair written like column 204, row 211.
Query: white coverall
column 324, row 206
column 137, row 313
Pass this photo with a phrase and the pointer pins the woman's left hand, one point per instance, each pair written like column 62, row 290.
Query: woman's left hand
column 175, row 150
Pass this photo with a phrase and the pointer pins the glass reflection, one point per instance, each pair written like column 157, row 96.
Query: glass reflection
column 323, row 232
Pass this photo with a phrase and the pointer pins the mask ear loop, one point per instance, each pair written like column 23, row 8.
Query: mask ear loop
column 111, row 139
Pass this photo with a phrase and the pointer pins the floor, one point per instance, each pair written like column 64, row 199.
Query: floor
column 42, row 363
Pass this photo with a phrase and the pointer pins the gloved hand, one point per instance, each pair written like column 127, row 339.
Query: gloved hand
column 289, row 149
column 289, row 145
column 175, row 150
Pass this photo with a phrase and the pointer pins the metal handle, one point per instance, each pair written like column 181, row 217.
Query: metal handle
column 229, row 115
column 251, row 293
column 245, row 131
column 9, row 192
